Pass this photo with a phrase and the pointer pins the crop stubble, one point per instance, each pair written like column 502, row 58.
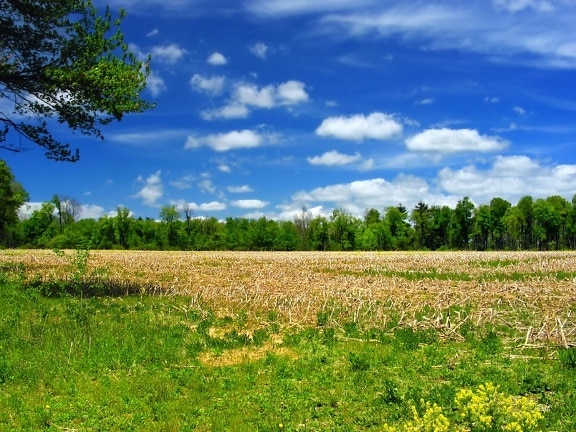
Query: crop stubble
column 533, row 293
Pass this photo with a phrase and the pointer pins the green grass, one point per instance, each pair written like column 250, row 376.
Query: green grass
column 138, row 363
column 490, row 275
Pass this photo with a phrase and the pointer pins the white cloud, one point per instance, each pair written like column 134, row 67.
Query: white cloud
column 378, row 193
column 210, row 206
column 298, row 7
column 226, row 141
column 239, row 189
column 292, row 93
column 206, row 185
column 169, row 54
column 454, row 141
column 153, row 189
column 212, row 85
column 427, row 101
column 246, row 96
column 251, row 95
column 259, row 49
column 155, row 84
column 153, row 32
column 147, row 137
column 249, row 204
column 26, row 209
column 510, row 177
column 222, row 167
column 544, row 33
column 91, row 211
column 334, row 158
column 231, row 111
column 217, row 59
column 376, row 126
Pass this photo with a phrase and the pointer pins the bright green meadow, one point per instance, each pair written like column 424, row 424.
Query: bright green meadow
column 171, row 363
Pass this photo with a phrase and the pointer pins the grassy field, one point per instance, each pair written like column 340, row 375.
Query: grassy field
column 222, row 341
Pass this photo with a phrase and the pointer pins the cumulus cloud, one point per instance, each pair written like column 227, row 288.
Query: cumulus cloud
column 212, row 85
column 375, row 126
column 251, row 95
column 292, row 93
column 249, row 204
column 152, row 190
column 509, row 177
column 259, row 49
column 226, row 141
column 334, row 158
column 454, row 141
column 217, row 59
column 360, row 195
column 169, row 54
column 247, row 96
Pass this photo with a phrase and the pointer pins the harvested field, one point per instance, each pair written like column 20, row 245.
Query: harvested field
column 531, row 293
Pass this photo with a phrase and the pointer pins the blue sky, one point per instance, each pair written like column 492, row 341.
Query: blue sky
column 264, row 106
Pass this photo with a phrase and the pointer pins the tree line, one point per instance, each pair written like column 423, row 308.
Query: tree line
column 531, row 224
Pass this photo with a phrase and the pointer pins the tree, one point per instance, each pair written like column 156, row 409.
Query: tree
column 400, row 229
column 498, row 209
column 12, row 196
column 526, row 215
column 68, row 210
column 169, row 214
column 122, row 225
column 38, row 229
column 547, row 223
column 462, row 222
column 302, row 222
column 60, row 60
column 421, row 217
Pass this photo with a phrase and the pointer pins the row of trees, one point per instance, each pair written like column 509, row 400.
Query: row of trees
column 544, row 223
column 531, row 224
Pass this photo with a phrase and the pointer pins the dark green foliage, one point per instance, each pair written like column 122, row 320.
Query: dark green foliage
column 567, row 357
column 61, row 60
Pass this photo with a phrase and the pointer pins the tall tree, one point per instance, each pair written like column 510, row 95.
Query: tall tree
column 68, row 210
column 421, row 217
column 302, row 223
column 498, row 208
column 169, row 214
column 12, row 196
column 462, row 222
column 123, row 225
column 526, row 214
column 397, row 220
column 62, row 60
